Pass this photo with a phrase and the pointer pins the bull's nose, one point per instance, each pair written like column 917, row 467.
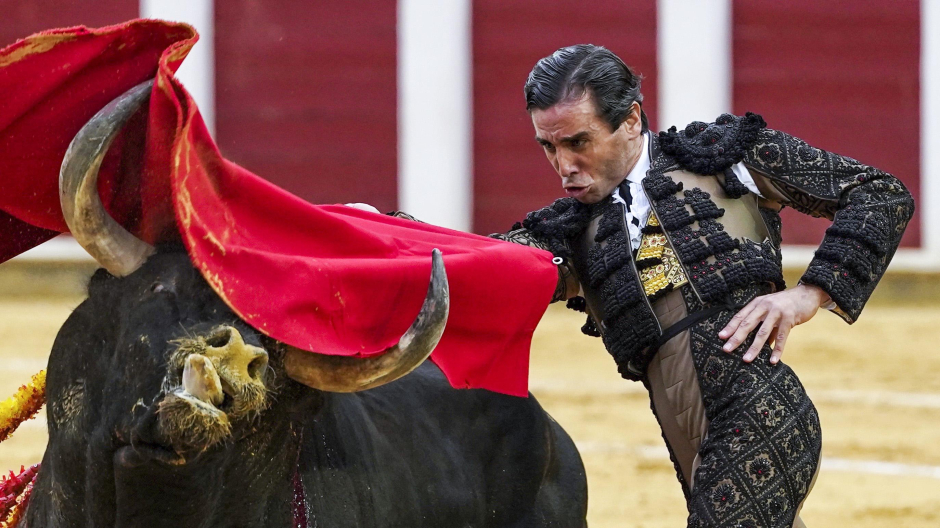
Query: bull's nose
column 225, row 345
column 220, row 337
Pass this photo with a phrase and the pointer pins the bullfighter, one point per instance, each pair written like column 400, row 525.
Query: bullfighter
column 671, row 244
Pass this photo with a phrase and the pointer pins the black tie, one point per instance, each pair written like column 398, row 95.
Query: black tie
column 628, row 199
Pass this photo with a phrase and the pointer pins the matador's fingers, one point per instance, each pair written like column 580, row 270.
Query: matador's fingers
column 736, row 321
column 749, row 321
column 783, row 331
column 762, row 335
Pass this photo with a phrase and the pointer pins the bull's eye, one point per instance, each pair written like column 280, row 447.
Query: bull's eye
column 159, row 287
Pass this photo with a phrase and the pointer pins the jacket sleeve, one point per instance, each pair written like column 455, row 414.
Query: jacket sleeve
column 869, row 209
column 567, row 285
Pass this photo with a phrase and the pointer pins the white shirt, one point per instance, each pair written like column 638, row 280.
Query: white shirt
column 641, row 208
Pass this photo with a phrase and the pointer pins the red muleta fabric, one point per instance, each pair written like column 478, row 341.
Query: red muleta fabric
column 325, row 278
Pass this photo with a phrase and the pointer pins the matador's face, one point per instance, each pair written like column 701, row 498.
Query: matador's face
column 590, row 158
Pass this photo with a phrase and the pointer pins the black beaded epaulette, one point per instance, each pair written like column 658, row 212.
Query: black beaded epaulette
column 564, row 219
column 713, row 148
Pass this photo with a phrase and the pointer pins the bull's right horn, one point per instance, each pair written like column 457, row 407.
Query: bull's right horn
column 351, row 374
column 115, row 248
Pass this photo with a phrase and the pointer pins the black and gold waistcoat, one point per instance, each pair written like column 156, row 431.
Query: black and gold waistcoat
column 725, row 241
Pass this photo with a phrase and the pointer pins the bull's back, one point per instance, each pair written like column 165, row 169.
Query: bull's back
column 417, row 452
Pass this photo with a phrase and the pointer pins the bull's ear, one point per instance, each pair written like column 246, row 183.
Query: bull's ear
column 350, row 374
column 101, row 276
column 99, row 280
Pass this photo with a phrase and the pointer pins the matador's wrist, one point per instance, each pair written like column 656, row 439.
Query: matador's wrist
column 825, row 301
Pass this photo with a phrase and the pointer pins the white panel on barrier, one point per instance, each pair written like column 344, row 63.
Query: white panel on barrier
column 694, row 60
column 434, row 111
column 198, row 70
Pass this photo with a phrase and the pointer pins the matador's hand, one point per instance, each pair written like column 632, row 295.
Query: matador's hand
column 776, row 314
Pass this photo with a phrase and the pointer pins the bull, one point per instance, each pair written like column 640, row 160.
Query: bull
column 165, row 409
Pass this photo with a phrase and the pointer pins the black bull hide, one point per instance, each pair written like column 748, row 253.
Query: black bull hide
column 411, row 453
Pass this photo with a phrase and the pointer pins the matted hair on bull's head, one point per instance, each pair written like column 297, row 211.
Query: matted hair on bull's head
column 573, row 70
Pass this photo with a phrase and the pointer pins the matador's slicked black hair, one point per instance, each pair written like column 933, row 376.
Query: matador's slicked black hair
column 570, row 71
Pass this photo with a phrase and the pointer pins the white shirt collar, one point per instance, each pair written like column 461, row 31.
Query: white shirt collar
column 640, row 206
column 642, row 163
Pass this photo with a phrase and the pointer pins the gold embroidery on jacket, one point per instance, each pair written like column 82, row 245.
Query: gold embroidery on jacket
column 662, row 267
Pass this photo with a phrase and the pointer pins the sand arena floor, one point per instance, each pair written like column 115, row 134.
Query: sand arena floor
column 876, row 384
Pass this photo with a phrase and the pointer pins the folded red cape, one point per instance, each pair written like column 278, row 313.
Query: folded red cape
column 325, row 278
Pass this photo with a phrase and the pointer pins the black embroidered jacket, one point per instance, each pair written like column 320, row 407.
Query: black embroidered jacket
column 689, row 177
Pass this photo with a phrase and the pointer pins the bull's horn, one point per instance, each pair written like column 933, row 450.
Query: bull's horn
column 350, row 374
column 103, row 238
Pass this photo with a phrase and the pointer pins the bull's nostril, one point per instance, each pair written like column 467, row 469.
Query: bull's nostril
column 257, row 366
column 219, row 338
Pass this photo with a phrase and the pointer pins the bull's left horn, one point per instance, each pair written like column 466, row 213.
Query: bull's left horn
column 115, row 249
column 350, row 374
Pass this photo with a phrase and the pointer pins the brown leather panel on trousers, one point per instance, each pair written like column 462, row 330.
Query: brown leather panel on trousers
column 674, row 389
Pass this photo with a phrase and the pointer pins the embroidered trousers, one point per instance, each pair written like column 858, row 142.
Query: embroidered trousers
column 744, row 437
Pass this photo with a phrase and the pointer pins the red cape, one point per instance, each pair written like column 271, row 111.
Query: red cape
column 326, row 278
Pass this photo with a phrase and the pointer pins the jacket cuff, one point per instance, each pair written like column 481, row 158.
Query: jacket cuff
column 843, row 289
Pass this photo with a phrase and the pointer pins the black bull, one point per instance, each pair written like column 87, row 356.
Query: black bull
column 411, row 453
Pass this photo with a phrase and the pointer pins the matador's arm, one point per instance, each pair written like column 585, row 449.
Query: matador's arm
column 869, row 209
column 567, row 285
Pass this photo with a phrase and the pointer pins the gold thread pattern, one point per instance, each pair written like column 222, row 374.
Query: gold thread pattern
column 664, row 267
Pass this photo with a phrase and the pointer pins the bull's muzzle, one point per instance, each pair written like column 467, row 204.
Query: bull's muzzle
column 226, row 372
column 222, row 380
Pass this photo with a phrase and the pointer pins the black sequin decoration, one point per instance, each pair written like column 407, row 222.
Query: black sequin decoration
column 709, row 149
